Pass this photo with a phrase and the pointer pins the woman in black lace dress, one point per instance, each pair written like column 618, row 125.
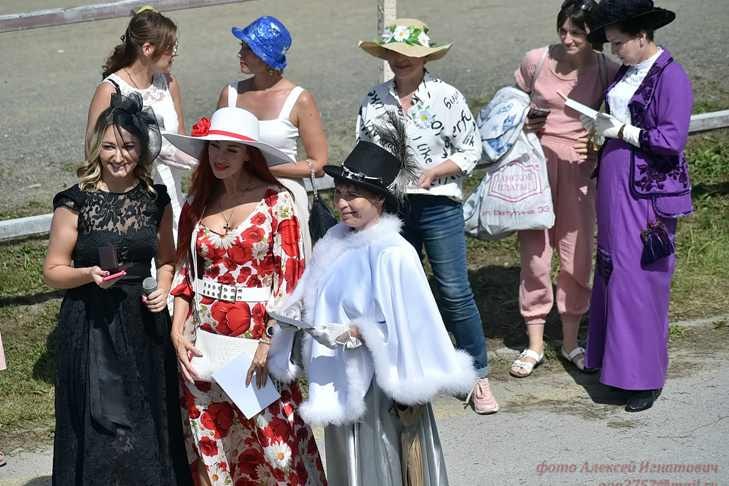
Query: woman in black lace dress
column 117, row 419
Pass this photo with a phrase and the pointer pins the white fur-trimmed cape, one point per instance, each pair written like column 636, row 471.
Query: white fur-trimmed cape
column 373, row 279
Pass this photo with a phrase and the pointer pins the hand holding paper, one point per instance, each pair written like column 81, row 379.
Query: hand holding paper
column 578, row 107
column 607, row 125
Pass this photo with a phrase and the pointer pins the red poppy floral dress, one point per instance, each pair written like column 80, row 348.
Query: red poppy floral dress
column 275, row 447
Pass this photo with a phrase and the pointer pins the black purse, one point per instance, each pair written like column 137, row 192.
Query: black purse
column 320, row 216
column 657, row 243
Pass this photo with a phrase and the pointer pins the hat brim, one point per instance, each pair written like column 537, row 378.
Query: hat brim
column 652, row 19
column 337, row 173
column 380, row 50
column 195, row 146
column 239, row 33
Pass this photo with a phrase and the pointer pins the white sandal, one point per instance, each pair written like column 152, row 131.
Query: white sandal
column 577, row 358
column 521, row 368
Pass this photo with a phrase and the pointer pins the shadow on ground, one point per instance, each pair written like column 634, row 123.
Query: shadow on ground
column 41, row 481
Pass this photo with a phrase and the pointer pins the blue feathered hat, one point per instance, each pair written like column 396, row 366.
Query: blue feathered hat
column 268, row 38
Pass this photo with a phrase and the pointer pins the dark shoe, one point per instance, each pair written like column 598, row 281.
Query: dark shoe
column 641, row 400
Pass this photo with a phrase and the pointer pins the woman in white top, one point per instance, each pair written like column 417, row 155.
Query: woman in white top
column 286, row 112
column 142, row 63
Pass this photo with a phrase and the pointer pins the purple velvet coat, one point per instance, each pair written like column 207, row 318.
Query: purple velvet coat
column 637, row 187
column 661, row 107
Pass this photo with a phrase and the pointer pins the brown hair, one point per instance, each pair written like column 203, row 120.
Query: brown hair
column 204, row 186
column 145, row 26
column 580, row 13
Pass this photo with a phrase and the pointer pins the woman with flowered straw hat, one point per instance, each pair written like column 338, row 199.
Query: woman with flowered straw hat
column 442, row 134
column 239, row 253
column 287, row 113
column 643, row 187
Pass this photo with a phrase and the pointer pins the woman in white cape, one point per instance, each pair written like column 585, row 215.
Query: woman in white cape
column 378, row 352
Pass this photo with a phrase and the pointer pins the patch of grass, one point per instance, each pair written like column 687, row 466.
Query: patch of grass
column 26, row 387
column 714, row 95
column 29, row 208
column 21, row 271
column 708, row 157
column 676, row 332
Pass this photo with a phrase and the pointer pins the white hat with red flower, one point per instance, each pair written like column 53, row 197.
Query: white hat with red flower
column 228, row 124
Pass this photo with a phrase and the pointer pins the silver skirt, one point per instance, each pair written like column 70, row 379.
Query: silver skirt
column 371, row 451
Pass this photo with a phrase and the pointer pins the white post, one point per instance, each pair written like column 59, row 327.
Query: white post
column 386, row 15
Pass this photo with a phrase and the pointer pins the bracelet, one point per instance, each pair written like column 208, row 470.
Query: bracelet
column 265, row 340
column 311, row 167
column 620, row 132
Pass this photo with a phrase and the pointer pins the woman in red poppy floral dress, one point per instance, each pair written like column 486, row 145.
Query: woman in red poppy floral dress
column 248, row 248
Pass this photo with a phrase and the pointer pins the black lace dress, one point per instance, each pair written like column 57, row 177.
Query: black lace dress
column 117, row 413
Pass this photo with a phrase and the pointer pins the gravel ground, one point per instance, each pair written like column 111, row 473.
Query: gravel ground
column 49, row 74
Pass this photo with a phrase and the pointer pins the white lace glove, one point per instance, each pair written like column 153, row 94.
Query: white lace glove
column 587, row 122
column 589, row 125
column 333, row 335
column 607, row 125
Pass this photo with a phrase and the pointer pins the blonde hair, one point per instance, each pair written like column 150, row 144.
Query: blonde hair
column 89, row 174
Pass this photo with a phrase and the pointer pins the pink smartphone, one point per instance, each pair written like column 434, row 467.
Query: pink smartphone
column 114, row 276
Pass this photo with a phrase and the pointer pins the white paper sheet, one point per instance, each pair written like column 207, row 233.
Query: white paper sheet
column 581, row 108
column 217, row 350
column 249, row 399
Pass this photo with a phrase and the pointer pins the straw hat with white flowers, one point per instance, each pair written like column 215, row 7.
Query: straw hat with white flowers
column 408, row 37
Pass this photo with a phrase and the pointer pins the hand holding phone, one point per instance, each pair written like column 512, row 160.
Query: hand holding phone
column 536, row 112
column 103, row 278
column 114, row 276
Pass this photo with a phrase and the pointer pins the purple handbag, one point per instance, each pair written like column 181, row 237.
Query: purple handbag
column 657, row 243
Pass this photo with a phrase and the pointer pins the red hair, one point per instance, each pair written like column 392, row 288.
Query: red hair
column 204, row 186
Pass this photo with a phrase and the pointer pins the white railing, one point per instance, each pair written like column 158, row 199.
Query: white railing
column 17, row 229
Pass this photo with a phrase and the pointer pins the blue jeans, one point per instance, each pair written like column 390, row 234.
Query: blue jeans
column 436, row 222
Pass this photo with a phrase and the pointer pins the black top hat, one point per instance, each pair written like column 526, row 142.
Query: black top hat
column 369, row 166
column 610, row 12
column 385, row 171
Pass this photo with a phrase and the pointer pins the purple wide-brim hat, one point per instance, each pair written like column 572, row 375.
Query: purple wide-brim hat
column 268, row 38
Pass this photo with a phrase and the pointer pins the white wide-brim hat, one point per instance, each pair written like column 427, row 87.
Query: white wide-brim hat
column 408, row 37
column 228, row 124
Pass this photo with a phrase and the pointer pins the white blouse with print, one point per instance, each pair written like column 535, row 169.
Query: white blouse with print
column 439, row 127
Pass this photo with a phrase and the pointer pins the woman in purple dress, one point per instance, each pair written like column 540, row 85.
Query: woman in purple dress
column 642, row 188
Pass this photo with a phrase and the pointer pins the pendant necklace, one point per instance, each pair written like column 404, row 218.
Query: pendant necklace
column 131, row 78
column 227, row 227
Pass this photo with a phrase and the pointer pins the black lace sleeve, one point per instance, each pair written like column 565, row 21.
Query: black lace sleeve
column 71, row 198
column 163, row 199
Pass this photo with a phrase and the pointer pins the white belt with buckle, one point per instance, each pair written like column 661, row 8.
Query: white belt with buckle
column 232, row 293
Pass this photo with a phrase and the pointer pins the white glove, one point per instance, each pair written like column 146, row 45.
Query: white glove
column 607, row 125
column 587, row 122
column 333, row 335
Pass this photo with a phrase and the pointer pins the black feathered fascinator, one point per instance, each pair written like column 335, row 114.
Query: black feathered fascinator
column 129, row 113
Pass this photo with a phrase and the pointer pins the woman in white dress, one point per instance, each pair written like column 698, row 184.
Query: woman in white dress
column 142, row 63
column 286, row 112
column 378, row 352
